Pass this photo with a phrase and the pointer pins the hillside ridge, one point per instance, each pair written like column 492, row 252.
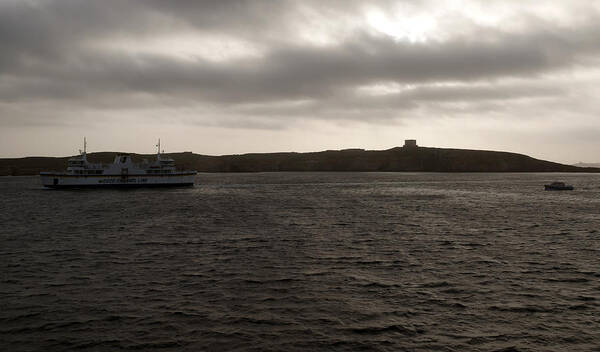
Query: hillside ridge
column 398, row 159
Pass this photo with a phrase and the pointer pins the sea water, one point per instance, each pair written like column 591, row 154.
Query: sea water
column 304, row 261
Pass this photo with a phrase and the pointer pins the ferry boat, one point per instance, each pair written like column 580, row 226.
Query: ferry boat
column 122, row 172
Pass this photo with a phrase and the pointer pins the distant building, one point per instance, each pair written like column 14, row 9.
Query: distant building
column 410, row 143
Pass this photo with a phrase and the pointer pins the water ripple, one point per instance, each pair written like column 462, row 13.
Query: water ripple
column 304, row 261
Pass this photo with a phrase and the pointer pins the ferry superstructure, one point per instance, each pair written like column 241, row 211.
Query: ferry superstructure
column 122, row 172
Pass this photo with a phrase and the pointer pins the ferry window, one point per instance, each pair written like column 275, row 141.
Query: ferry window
column 123, row 158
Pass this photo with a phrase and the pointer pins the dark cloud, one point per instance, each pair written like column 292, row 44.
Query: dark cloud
column 57, row 52
column 300, row 72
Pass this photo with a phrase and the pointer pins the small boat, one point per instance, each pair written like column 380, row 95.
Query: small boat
column 558, row 186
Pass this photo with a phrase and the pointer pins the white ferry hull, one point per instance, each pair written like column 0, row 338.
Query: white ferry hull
column 60, row 180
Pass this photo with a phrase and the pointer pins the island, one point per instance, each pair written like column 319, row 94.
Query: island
column 409, row 158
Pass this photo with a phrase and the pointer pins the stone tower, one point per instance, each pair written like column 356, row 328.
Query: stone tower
column 410, row 143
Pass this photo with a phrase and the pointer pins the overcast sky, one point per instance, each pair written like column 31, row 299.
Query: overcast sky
column 222, row 77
